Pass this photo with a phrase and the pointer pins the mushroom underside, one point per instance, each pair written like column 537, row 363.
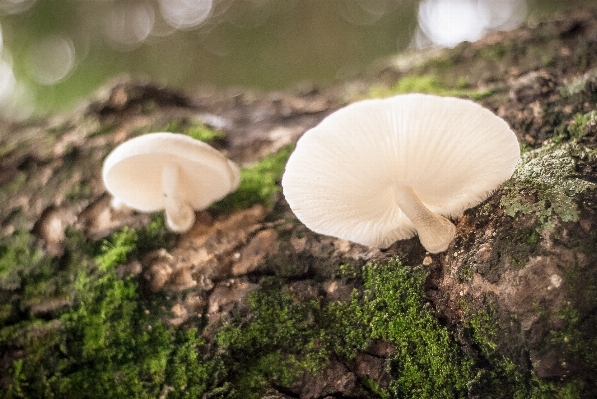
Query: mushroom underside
column 180, row 216
column 435, row 231
column 376, row 171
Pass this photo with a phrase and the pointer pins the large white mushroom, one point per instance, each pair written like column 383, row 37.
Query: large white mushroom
column 382, row 170
column 169, row 171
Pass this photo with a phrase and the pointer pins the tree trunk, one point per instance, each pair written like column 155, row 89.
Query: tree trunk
column 250, row 303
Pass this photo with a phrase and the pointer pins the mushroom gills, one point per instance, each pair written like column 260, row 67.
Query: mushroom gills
column 180, row 216
column 435, row 231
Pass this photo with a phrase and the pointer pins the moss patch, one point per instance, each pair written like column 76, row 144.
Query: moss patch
column 110, row 345
column 195, row 129
column 259, row 183
column 18, row 181
column 495, row 52
column 427, row 362
column 429, row 84
column 18, row 259
column 580, row 85
column 498, row 377
column 204, row 133
column 192, row 127
column 578, row 128
column 112, row 341
column 578, row 337
column 284, row 332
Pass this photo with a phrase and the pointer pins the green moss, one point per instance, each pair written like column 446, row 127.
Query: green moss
column 519, row 243
column 419, row 84
column 547, row 60
column 524, row 148
column 122, row 352
column 579, row 85
column 18, row 259
column 112, row 342
column 498, row 377
column 259, row 183
column 7, row 147
column 544, row 184
column 533, row 238
column 427, row 362
column 192, row 127
column 102, row 130
column 348, row 271
column 204, row 133
column 270, row 347
column 116, row 349
column 195, row 129
column 31, row 280
column 578, row 336
column 116, row 250
column 484, row 328
column 577, row 130
column 440, row 62
column 374, row 387
column 552, row 390
column 466, row 271
column 283, row 337
column 14, row 185
column 5, row 312
column 429, row 84
column 28, row 277
column 279, row 338
column 494, row 53
column 79, row 191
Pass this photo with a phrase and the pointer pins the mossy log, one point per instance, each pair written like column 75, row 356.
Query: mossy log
column 96, row 302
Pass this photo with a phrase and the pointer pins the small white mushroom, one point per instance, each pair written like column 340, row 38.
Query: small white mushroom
column 169, row 171
column 383, row 170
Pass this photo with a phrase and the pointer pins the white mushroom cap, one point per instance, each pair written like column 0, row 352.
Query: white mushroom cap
column 169, row 171
column 383, row 170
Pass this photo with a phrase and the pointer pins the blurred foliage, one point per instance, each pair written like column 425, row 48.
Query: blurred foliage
column 268, row 45
column 430, row 84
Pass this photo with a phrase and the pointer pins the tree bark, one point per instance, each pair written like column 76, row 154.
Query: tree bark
column 517, row 286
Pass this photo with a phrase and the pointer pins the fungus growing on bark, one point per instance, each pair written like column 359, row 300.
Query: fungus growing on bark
column 169, row 171
column 382, row 170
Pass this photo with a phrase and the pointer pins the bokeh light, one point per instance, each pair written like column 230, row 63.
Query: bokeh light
column 58, row 51
column 51, row 59
column 446, row 23
column 16, row 100
column 8, row 82
column 185, row 14
column 503, row 14
column 364, row 12
column 15, row 6
column 129, row 24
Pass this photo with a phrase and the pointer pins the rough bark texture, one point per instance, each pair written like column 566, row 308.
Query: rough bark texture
column 279, row 311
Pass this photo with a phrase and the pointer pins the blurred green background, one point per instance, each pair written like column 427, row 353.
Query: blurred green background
column 53, row 52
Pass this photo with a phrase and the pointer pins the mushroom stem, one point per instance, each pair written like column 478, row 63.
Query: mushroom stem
column 180, row 216
column 435, row 231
